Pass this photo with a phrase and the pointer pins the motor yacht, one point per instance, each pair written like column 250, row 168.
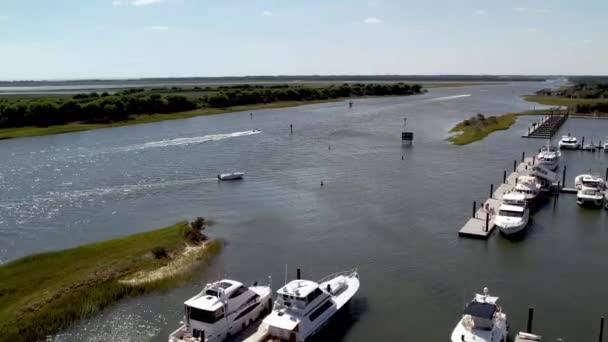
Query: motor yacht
column 482, row 321
column 513, row 214
column 589, row 181
column 529, row 186
column 569, row 143
column 221, row 310
column 549, row 157
column 303, row 307
column 231, row 176
column 606, row 144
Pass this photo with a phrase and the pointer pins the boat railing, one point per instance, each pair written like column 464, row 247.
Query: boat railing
column 349, row 273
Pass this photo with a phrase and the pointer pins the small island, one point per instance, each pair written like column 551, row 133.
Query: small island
column 43, row 293
column 479, row 127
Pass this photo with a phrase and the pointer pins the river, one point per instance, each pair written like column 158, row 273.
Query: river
column 391, row 211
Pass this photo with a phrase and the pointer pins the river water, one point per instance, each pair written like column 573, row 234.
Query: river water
column 391, row 211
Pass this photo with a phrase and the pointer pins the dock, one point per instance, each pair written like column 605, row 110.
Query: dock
column 481, row 225
column 547, row 127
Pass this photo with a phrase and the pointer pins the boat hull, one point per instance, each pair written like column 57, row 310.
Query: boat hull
column 230, row 176
column 589, row 202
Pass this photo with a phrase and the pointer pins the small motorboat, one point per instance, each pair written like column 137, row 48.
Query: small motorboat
column 569, row 143
column 482, row 321
column 230, row 176
column 526, row 337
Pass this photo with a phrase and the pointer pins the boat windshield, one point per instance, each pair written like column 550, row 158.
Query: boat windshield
column 204, row 316
column 591, row 192
column 509, row 213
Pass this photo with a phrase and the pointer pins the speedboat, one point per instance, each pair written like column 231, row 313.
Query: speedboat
column 589, row 196
column 529, row 186
column 527, row 337
column 569, row 142
column 221, row 310
column 303, row 307
column 513, row 214
column 549, row 157
column 589, row 181
column 482, row 321
column 231, row 176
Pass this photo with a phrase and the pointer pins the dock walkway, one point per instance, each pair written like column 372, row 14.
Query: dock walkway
column 481, row 225
column 547, row 127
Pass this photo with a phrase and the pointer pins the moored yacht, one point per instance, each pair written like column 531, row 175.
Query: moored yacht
column 549, row 157
column 606, row 144
column 590, row 196
column 222, row 309
column 303, row 307
column 589, row 181
column 513, row 214
column 482, row 321
column 529, row 186
column 569, row 142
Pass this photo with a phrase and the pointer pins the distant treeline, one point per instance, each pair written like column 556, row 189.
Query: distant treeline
column 589, row 88
column 284, row 78
column 105, row 107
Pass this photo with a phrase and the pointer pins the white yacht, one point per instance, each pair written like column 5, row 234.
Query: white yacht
column 482, row 321
column 221, row 310
column 303, row 307
column 231, row 176
column 549, row 157
column 606, row 144
column 590, row 196
column 589, row 181
column 529, row 186
column 527, row 337
column 513, row 214
column 569, row 142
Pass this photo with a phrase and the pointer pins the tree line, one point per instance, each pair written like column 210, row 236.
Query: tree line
column 106, row 108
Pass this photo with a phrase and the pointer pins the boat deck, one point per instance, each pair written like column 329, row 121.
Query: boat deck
column 475, row 227
column 257, row 332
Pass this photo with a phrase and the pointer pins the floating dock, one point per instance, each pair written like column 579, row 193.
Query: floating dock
column 547, row 127
column 481, row 225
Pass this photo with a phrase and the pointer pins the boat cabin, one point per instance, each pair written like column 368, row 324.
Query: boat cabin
column 514, row 199
column 297, row 294
column 481, row 315
column 209, row 305
column 511, row 211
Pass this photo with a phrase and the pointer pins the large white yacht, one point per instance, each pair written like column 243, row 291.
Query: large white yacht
column 606, row 144
column 529, row 186
column 549, row 157
column 589, row 181
column 513, row 214
column 221, row 310
column 569, row 143
column 303, row 307
column 482, row 321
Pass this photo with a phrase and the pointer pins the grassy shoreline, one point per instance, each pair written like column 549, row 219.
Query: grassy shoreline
column 43, row 293
column 472, row 130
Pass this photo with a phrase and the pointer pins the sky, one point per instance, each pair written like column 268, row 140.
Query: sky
column 77, row 39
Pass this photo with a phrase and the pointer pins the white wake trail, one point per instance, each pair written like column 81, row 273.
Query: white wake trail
column 186, row 141
column 446, row 98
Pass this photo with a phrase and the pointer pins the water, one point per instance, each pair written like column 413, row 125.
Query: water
column 396, row 220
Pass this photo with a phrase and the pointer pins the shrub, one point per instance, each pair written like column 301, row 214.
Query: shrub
column 159, row 252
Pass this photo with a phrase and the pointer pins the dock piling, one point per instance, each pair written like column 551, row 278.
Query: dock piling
column 533, row 160
column 530, row 319
column 583, row 142
column 606, row 179
column 291, row 128
column 601, row 330
column 298, row 274
column 474, row 208
column 564, row 175
column 487, row 222
column 523, row 156
column 492, row 190
column 504, row 176
column 514, row 165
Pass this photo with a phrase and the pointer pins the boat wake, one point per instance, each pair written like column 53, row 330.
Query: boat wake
column 186, row 141
column 446, row 98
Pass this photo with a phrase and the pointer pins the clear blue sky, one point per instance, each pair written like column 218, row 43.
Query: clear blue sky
column 61, row 39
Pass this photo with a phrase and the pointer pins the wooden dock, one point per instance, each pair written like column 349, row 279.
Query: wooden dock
column 547, row 127
column 481, row 225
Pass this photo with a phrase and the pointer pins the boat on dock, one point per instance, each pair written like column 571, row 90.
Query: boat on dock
column 569, row 142
column 513, row 214
column 482, row 321
column 549, row 157
column 303, row 307
column 230, row 176
column 221, row 310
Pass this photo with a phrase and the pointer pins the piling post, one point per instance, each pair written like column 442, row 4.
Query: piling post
column 601, row 330
column 583, row 143
column 514, row 165
column 533, row 160
column 474, row 208
column 291, row 128
column 504, row 176
column 298, row 274
column 530, row 319
column 487, row 222
column 528, row 130
column 559, row 188
column 564, row 175
column 606, row 178
column 523, row 156
column 492, row 190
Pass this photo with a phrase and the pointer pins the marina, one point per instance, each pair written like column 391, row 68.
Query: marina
column 377, row 192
